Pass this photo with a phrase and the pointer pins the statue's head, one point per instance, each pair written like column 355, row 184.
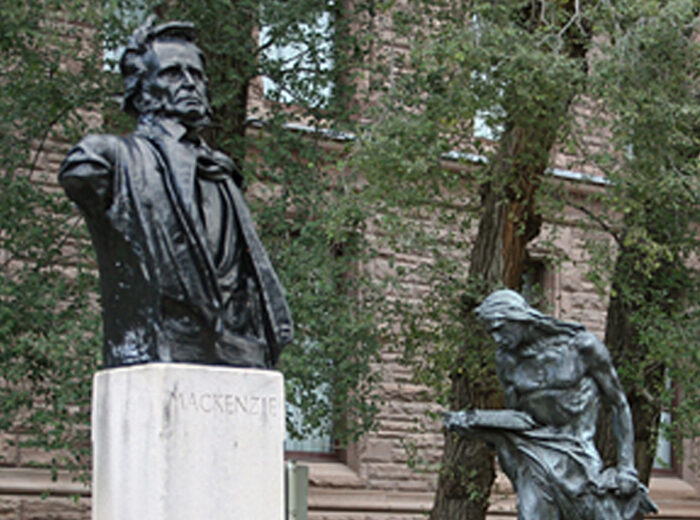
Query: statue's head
column 505, row 305
column 163, row 73
column 505, row 314
column 510, row 319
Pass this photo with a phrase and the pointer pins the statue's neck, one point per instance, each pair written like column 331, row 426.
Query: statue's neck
column 172, row 125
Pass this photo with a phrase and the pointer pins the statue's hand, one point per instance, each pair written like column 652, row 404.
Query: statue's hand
column 455, row 421
column 523, row 420
column 627, row 480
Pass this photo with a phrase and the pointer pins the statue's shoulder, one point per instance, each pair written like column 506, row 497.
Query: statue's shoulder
column 102, row 150
column 591, row 348
column 86, row 172
column 99, row 150
column 98, row 144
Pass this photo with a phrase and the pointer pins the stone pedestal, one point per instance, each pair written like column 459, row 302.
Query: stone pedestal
column 173, row 441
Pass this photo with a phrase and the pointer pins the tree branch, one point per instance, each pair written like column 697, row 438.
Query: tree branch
column 596, row 218
column 574, row 19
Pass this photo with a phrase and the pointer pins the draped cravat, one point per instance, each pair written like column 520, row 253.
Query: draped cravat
column 216, row 166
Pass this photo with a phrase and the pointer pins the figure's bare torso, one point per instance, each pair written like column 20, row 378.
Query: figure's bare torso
column 550, row 381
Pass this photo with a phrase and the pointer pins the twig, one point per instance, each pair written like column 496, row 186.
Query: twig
column 44, row 137
column 574, row 18
column 543, row 12
column 604, row 225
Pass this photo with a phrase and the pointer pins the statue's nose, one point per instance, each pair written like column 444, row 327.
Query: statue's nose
column 188, row 79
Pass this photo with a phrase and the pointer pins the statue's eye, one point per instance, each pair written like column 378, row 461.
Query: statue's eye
column 495, row 325
column 170, row 74
column 195, row 73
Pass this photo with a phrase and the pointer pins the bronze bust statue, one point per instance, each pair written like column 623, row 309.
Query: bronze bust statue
column 183, row 274
column 555, row 375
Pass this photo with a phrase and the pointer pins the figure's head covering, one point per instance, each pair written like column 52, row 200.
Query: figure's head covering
column 133, row 62
column 506, row 304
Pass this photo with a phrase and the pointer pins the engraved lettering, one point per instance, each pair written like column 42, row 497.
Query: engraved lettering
column 217, row 403
column 173, row 395
column 203, row 399
column 229, row 404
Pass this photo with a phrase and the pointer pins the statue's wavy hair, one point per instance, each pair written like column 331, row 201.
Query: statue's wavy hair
column 133, row 61
column 509, row 305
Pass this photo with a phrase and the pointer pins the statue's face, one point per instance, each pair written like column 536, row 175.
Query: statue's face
column 506, row 333
column 176, row 83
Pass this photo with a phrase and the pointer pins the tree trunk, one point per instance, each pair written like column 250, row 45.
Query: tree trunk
column 507, row 224
column 643, row 297
column 627, row 350
column 623, row 341
column 509, row 221
column 465, row 480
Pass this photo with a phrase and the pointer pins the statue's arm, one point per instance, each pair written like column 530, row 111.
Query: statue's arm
column 486, row 423
column 87, row 171
column 600, row 367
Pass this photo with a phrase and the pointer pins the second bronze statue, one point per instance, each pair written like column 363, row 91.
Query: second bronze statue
column 555, row 375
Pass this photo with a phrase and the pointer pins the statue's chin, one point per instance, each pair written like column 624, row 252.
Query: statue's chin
column 192, row 120
column 197, row 123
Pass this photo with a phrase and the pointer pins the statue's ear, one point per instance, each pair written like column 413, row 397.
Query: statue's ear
column 138, row 104
column 145, row 103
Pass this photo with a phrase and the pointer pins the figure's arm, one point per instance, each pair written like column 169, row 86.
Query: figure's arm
column 600, row 367
column 487, row 422
column 86, row 172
